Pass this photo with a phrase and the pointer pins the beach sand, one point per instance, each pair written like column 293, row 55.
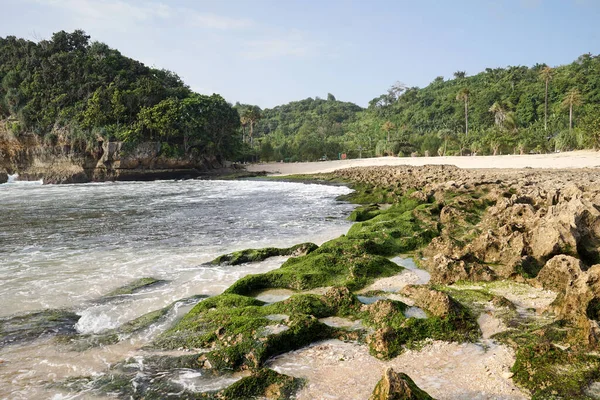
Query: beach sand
column 573, row 159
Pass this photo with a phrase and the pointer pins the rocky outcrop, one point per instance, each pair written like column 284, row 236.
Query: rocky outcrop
column 397, row 386
column 499, row 224
column 578, row 300
column 65, row 162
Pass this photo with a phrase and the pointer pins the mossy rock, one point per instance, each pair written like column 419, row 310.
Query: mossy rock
column 364, row 213
column 340, row 262
column 398, row 386
column 83, row 342
column 28, row 327
column 136, row 286
column 547, row 364
column 264, row 383
column 394, row 331
column 256, row 255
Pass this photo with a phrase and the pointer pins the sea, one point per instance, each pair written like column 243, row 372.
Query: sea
column 67, row 246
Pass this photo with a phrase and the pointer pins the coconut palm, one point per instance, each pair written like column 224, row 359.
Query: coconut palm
column 463, row 95
column 387, row 127
column 573, row 98
column 252, row 115
column 244, row 121
column 546, row 75
column 499, row 114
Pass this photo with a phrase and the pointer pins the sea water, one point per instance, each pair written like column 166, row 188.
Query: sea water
column 67, row 246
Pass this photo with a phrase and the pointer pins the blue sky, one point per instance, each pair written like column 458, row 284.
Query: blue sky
column 269, row 52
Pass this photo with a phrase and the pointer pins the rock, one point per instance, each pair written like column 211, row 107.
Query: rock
column 397, row 386
column 3, row 176
column 448, row 270
column 382, row 342
column 437, row 303
column 559, row 273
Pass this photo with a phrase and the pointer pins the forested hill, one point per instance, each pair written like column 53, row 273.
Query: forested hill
column 505, row 109
column 70, row 90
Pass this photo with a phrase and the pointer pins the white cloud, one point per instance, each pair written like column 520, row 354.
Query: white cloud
column 294, row 44
column 119, row 14
column 213, row 21
column 108, row 9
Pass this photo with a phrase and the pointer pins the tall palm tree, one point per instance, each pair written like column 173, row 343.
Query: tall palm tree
column 546, row 75
column 252, row 115
column 499, row 114
column 463, row 95
column 244, row 121
column 387, row 127
column 573, row 98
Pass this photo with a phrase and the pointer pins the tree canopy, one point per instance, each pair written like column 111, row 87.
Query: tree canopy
column 68, row 88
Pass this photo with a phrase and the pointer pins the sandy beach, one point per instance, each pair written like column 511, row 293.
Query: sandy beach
column 573, row 159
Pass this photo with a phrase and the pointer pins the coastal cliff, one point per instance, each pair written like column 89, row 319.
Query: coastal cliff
column 67, row 162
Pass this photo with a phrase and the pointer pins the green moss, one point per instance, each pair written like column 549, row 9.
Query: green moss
column 398, row 331
column 340, row 262
column 364, row 213
column 135, row 286
column 28, row 327
column 546, row 368
column 263, row 383
column 368, row 194
column 255, row 255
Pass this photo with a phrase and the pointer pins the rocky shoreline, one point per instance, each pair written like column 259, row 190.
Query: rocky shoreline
column 64, row 163
column 513, row 262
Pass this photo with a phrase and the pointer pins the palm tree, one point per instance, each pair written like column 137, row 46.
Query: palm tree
column 546, row 75
column 445, row 134
column 387, row 127
column 463, row 95
column 252, row 115
column 499, row 114
column 573, row 98
column 460, row 74
column 244, row 121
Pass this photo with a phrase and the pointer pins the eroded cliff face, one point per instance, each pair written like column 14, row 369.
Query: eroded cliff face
column 63, row 162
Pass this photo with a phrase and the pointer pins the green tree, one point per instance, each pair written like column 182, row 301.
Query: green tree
column 387, row 127
column 463, row 95
column 573, row 98
column 252, row 115
column 546, row 75
column 445, row 135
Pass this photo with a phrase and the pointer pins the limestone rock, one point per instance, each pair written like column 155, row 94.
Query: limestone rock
column 559, row 273
column 397, row 386
column 437, row 303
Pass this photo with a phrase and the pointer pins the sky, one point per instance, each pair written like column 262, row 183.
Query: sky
column 270, row 52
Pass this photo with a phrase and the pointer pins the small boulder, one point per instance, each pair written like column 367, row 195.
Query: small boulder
column 3, row 176
column 397, row 386
column 439, row 304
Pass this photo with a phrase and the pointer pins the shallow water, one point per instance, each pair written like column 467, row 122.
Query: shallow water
column 67, row 246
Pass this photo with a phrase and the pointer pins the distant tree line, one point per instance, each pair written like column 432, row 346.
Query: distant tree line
column 498, row 111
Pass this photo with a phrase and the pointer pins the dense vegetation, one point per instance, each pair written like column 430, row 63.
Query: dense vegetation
column 501, row 110
column 70, row 90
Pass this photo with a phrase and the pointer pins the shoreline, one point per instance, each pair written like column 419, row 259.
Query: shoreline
column 566, row 160
column 439, row 214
